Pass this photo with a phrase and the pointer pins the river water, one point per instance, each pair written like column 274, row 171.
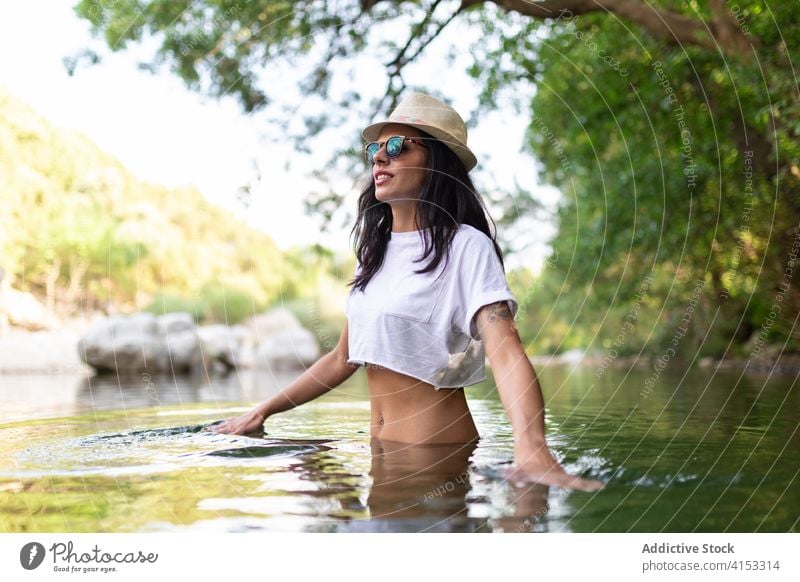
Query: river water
column 701, row 452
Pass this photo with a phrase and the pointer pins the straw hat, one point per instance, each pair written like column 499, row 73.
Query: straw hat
column 431, row 116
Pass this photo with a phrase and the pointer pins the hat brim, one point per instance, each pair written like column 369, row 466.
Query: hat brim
column 371, row 133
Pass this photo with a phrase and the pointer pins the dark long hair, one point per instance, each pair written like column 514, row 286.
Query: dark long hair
column 448, row 199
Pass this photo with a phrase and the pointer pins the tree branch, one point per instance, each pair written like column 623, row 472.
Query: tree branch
column 670, row 26
column 395, row 67
column 400, row 60
column 727, row 31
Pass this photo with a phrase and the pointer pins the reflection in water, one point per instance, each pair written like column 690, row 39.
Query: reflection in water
column 423, row 486
column 269, row 450
column 699, row 454
column 25, row 396
column 111, row 392
column 528, row 510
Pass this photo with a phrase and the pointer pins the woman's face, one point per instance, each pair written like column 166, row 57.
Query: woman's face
column 400, row 178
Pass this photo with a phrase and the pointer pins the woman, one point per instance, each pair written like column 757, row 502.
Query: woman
column 428, row 303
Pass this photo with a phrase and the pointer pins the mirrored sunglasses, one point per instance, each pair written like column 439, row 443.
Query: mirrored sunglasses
column 394, row 146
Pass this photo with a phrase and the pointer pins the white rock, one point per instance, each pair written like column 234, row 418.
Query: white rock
column 223, row 343
column 22, row 309
column 142, row 342
column 271, row 323
column 291, row 348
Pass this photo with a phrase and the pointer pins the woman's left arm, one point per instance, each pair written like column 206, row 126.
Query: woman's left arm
column 522, row 399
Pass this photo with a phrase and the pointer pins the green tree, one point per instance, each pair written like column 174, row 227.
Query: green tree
column 675, row 160
column 647, row 115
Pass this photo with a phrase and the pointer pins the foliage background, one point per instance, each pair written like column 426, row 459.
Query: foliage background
column 675, row 148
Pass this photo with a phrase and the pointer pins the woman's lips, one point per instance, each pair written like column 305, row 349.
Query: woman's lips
column 381, row 179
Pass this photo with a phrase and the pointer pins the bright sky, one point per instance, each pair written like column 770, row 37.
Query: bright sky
column 167, row 134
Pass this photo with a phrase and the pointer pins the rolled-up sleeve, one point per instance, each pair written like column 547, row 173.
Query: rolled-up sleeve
column 482, row 281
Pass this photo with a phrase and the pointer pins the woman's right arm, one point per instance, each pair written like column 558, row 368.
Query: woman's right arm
column 326, row 374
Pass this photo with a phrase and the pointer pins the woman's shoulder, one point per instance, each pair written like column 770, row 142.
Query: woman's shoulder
column 467, row 236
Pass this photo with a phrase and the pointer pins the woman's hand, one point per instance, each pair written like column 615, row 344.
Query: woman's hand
column 535, row 464
column 249, row 423
column 522, row 399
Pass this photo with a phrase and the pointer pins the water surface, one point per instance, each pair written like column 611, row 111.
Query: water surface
column 702, row 452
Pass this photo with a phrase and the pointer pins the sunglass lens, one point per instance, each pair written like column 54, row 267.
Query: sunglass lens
column 371, row 150
column 394, row 145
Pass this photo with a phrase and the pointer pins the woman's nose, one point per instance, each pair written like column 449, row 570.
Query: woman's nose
column 380, row 155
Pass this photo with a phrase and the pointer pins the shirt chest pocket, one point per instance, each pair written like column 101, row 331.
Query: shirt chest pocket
column 415, row 297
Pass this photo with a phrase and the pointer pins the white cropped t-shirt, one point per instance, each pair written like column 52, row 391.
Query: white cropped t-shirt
column 421, row 325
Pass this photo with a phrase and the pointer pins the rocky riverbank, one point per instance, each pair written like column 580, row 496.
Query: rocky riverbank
column 143, row 342
column 770, row 361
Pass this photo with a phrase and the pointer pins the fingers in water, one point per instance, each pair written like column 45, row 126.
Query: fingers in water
column 519, row 478
column 216, row 426
column 582, row 484
column 592, row 485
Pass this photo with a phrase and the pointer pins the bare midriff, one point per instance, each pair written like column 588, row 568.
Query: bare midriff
column 407, row 410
